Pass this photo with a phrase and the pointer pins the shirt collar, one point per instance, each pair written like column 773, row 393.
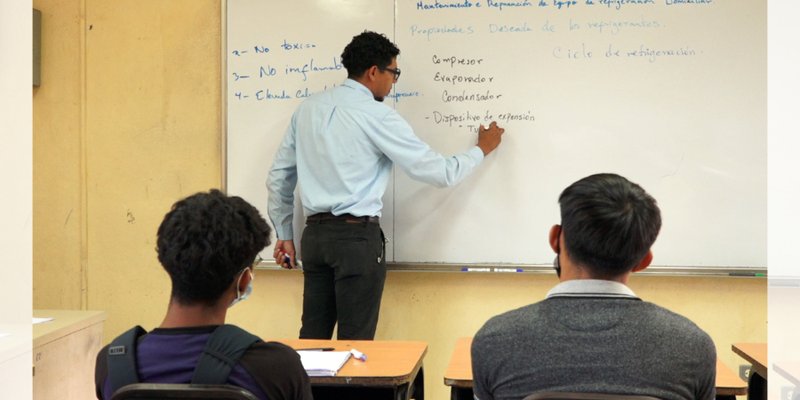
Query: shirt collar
column 184, row 330
column 591, row 288
column 353, row 84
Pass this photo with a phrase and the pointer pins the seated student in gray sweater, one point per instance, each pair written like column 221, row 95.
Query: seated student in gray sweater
column 592, row 333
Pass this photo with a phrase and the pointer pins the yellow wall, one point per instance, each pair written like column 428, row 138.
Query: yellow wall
column 57, row 107
column 153, row 106
column 151, row 134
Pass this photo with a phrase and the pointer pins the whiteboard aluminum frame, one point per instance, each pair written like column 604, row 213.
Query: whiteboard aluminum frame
column 223, row 40
column 505, row 269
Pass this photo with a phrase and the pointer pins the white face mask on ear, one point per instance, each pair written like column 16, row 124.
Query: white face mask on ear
column 243, row 295
column 557, row 266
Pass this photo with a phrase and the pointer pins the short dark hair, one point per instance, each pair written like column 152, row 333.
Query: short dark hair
column 368, row 49
column 205, row 241
column 609, row 223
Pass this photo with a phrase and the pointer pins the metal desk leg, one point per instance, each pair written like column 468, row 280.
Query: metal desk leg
column 756, row 387
column 418, row 386
column 460, row 393
column 413, row 390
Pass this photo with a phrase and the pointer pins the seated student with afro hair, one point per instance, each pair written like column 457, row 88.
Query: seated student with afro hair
column 207, row 243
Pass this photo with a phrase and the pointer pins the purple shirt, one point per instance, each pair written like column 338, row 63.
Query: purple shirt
column 170, row 356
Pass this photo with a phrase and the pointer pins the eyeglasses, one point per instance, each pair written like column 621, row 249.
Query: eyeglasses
column 395, row 71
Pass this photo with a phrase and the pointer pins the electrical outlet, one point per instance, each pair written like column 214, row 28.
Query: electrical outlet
column 744, row 372
column 787, row 392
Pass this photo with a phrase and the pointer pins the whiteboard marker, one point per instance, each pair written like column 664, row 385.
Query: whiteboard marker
column 468, row 269
column 758, row 274
column 358, row 355
column 508, row 270
column 287, row 261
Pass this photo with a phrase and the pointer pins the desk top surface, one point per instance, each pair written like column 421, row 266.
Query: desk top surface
column 64, row 323
column 388, row 362
column 755, row 353
column 459, row 371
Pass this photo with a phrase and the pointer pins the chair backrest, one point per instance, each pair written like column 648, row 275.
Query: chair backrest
column 169, row 391
column 584, row 396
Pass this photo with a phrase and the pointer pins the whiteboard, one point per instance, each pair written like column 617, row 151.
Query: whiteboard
column 668, row 93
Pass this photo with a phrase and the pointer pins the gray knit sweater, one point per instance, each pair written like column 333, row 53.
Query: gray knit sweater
column 587, row 344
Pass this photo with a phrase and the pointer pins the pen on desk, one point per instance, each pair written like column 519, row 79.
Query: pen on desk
column 469, row 269
column 317, row 349
column 358, row 355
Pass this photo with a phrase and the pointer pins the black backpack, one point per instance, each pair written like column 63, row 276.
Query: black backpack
column 224, row 348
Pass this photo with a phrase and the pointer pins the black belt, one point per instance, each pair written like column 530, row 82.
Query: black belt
column 322, row 218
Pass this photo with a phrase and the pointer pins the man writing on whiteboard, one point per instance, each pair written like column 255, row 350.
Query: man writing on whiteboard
column 340, row 147
column 592, row 333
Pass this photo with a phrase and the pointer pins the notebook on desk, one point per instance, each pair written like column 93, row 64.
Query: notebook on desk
column 323, row 363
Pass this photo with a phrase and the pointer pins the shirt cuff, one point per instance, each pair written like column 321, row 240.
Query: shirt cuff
column 476, row 153
column 284, row 232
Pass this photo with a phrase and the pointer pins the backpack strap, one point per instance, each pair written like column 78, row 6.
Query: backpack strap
column 121, row 358
column 223, row 350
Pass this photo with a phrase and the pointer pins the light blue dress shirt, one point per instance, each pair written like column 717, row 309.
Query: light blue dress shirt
column 340, row 147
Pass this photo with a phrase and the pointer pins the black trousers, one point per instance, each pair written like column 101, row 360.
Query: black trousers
column 344, row 270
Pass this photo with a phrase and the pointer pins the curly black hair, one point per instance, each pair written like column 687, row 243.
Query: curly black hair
column 368, row 49
column 205, row 241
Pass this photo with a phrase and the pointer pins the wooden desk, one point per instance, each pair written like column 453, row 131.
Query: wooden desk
column 756, row 355
column 459, row 375
column 391, row 366
column 64, row 352
column 728, row 384
column 459, row 371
